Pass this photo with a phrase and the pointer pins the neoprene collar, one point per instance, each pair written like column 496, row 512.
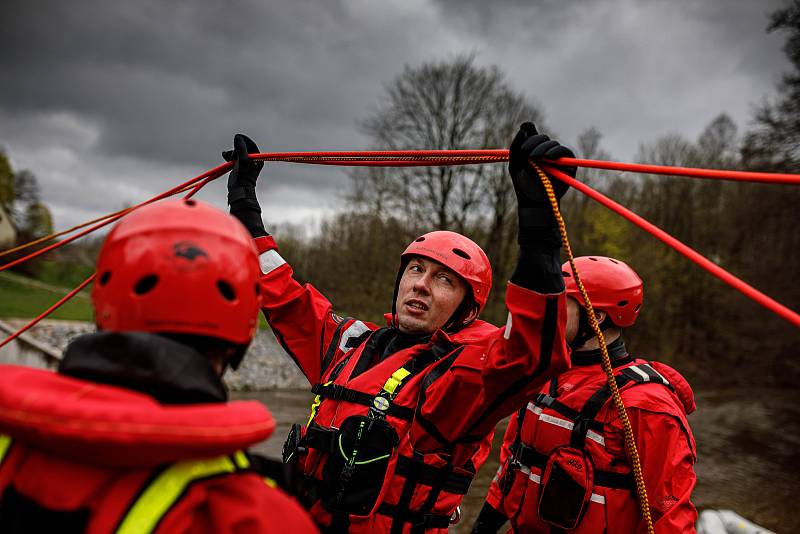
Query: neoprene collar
column 616, row 351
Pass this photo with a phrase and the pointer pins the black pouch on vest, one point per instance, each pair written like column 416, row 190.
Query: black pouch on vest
column 356, row 468
column 291, row 447
column 566, row 487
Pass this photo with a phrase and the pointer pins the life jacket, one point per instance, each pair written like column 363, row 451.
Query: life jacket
column 559, row 471
column 84, row 457
column 360, row 470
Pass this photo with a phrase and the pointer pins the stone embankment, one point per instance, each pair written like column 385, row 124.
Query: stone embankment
column 266, row 366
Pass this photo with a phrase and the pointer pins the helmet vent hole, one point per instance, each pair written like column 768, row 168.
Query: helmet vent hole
column 636, row 309
column 258, row 289
column 191, row 203
column 226, row 290
column 459, row 252
column 419, row 239
column 105, row 277
column 622, row 303
column 566, row 274
column 593, row 259
column 145, row 284
column 613, row 261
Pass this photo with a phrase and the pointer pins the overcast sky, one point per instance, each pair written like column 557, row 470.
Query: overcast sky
column 111, row 102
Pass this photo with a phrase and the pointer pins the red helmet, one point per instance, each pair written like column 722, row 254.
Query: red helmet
column 612, row 286
column 458, row 253
column 179, row 266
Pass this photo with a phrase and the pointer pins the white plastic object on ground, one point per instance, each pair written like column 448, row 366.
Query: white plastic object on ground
column 727, row 522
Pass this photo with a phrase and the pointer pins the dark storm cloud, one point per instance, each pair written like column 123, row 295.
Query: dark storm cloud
column 129, row 98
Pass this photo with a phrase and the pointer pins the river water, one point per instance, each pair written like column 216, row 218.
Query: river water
column 748, row 445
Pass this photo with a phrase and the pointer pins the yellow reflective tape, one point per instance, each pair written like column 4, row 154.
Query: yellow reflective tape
column 395, row 380
column 269, row 482
column 5, row 444
column 315, row 406
column 166, row 489
column 241, row 460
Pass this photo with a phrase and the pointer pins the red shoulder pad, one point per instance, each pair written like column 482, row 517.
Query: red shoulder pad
column 682, row 388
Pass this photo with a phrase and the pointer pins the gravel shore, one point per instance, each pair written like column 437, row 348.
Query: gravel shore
column 265, row 367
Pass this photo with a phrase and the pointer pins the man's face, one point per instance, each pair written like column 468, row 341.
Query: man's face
column 573, row 319
column 428, row 295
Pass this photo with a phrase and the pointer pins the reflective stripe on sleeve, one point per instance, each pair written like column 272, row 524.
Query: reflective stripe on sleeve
column 270, row 260
column 354, row 330
column 507, row 332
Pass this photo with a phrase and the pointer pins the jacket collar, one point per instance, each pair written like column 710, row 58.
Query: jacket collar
column 168, row 371
column 616, row 352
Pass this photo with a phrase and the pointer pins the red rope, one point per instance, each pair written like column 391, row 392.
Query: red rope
column 205, row 178
column 413, row 158
column 688, row 252
column 718, row 174
column 47, row 312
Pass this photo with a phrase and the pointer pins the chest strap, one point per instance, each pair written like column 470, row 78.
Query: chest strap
column 530, row 457
column 341, row 393
column 429, row 475
column 584, row 420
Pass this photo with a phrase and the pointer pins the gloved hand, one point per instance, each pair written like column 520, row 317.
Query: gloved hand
column 242, row 179
column 529, row 144
column 242, row 184
column 539, row 265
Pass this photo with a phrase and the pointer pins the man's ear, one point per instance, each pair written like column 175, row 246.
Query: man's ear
column 601, row 316
column 471, row 316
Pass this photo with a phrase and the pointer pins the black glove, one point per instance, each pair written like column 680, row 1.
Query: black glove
column 242, row 179
column 242, row 184
column 529, row 144
column 539, row 265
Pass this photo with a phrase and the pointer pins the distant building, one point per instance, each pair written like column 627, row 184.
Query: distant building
column 8, row 234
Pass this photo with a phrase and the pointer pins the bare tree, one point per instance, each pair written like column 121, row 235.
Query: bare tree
column 448, row 105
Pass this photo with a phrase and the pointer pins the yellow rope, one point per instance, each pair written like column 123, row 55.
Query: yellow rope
column 630, row 443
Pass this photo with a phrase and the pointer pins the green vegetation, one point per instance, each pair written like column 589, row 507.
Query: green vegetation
column 22, row 297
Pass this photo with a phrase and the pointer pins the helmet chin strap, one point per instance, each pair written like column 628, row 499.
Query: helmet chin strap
column 457, row 321
column 585, row 332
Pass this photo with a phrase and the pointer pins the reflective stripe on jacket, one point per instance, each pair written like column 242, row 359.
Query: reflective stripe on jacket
column 664, row 439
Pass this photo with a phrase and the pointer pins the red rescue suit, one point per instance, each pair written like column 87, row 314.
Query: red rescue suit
column 657, row 400
column 393, row 443
column 79, row 456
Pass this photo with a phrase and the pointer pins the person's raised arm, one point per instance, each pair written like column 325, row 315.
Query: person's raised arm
column 300, row 316
column 500, row 374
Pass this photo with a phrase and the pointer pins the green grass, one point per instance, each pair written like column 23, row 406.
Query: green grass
column 18, row 298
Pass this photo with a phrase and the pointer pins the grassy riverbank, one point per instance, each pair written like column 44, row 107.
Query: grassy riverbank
column 25, row 297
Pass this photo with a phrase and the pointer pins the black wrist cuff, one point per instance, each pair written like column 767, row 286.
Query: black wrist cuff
column 536, row 216
column 539, row 237
column 539, row 269
column 249, row 217
column 241, row 192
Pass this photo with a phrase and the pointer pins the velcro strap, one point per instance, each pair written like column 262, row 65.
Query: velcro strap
column 428, row 474
column 415, row 518
column 530, row 457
